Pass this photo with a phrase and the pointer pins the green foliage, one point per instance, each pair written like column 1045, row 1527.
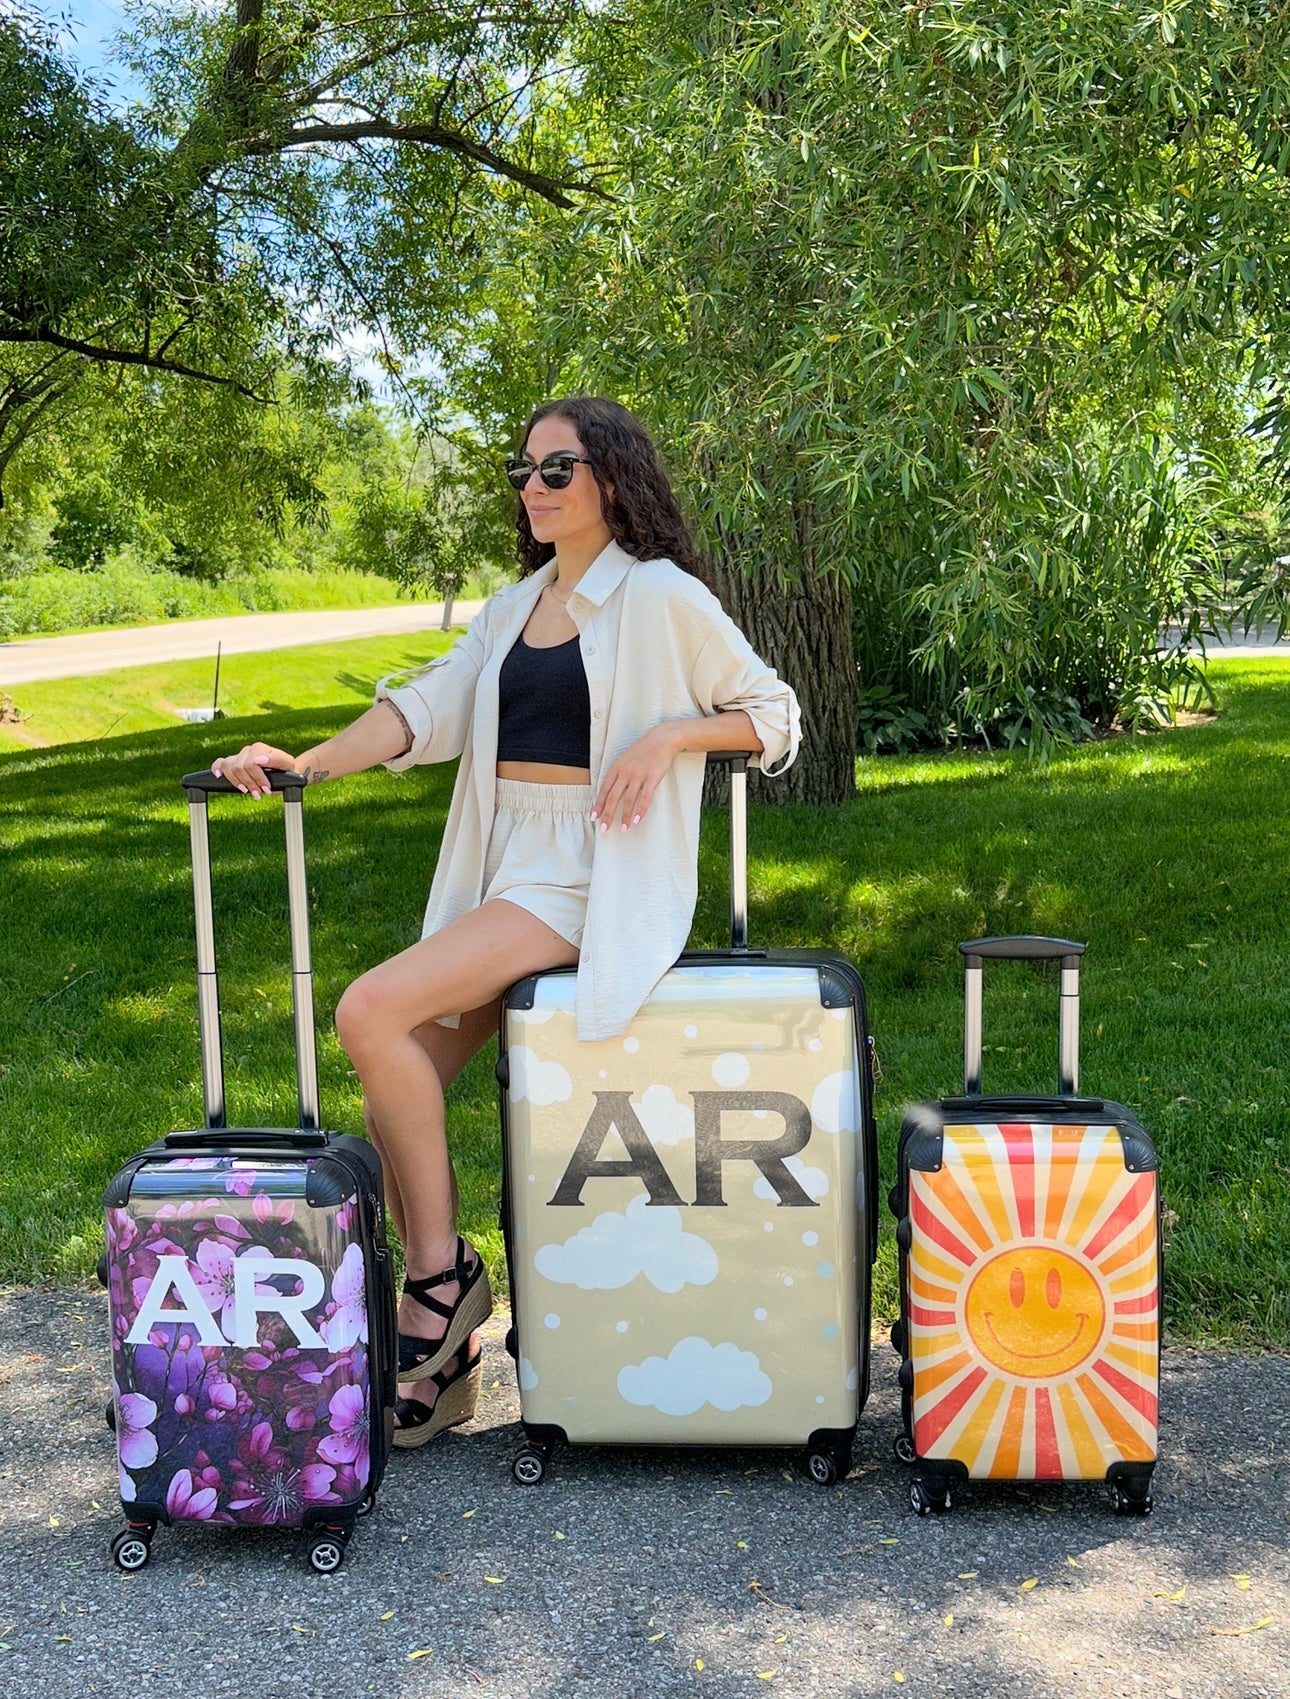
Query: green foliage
column 977, row 312
column 290, row 178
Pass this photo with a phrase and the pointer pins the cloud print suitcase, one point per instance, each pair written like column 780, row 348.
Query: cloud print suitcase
column 1029, row 1239
column 689, row 1209
column 251, row 1293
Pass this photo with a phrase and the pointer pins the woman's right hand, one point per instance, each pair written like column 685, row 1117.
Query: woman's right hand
column 247, row 768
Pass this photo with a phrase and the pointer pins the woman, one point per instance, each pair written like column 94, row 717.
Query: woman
column 582, row 702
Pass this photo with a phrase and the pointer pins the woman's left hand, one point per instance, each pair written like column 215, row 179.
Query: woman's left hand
column 629, row 785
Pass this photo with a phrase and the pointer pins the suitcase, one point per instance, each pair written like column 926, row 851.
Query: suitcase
column 251, row 1292
column 690, row 1209
column 1030, row 1263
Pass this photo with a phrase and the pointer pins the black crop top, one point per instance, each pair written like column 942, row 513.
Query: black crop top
column 544, row 708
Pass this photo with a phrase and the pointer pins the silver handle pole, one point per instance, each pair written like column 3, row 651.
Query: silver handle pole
column 302, row 979
column 208, row 1022
column 972, row 1000
column 739, row 854
column 1068, row 1032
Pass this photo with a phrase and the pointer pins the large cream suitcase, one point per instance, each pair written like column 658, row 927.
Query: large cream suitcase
column 690, row 1209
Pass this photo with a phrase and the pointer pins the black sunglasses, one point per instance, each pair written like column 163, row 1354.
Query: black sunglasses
column 556, row 470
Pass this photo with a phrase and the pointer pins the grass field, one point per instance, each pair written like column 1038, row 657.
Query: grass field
column 1167, row 854
column 108, row 706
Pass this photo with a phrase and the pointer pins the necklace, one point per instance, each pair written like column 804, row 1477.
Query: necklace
column 551, row 589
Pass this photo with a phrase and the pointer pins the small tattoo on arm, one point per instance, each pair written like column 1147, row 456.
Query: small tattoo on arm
column 316, row 775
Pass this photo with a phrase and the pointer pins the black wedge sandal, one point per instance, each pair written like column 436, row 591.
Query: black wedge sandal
column 419, row 1358
column 458, row 1395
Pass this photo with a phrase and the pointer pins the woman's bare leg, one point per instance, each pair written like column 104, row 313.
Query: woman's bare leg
column 449, row 1050
column 379, row 1018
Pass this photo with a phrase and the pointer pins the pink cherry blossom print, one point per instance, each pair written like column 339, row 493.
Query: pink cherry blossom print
column 187, row 1502
column 348, row 1441
column 136, row 1442
column 268, row 1485
column 347, row 1324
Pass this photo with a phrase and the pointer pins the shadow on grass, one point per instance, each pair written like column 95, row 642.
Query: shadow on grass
column 1166, row 855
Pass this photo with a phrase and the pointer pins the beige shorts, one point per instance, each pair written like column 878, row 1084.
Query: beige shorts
column 539, row 852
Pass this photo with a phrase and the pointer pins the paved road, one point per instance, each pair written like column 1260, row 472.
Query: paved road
column 33, row 658
column 192, row 639
column 652, row 1575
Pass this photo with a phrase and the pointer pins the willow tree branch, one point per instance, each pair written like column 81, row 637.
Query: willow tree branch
column 425, row 135
column 127, row 357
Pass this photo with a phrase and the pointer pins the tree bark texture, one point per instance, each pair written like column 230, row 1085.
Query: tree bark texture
column 803, row 630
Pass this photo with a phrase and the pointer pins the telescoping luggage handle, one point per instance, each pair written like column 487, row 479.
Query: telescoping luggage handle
column 737, row 761
column 1022, row 949
column 199, row 786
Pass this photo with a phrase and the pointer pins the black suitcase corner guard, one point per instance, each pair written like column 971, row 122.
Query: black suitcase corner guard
column 522, row 993
column 837, row 990
column 328, row 1183
column 922, row 1138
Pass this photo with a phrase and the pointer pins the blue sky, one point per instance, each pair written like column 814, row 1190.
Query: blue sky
column 86, row 28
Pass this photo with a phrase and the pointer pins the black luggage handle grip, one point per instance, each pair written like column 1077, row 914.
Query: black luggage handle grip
column 1022, row 949
column 248, row 1138
column 212, row 784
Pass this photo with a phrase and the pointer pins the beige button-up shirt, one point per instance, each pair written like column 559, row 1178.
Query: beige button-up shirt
column 656, row 645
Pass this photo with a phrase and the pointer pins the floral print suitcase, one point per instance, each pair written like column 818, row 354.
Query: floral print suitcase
column 1028, row 1231
column 251, row 1299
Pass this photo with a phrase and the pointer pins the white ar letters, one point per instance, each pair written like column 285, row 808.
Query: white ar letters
column 249, row 1302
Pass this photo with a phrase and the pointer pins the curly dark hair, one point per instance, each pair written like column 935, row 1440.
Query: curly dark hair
column 635, row 495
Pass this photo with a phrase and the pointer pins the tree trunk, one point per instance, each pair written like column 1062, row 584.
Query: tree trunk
column 804, row 631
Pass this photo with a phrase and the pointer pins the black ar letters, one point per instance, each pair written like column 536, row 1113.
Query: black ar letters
column 614, row 1111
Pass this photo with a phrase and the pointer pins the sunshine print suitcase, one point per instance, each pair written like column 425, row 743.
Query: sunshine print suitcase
column 689, row 1209
column 1029, row 1242
column 250, row 1292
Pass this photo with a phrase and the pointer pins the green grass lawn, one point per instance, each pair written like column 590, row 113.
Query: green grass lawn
column 1168, row 855
column 109, row 706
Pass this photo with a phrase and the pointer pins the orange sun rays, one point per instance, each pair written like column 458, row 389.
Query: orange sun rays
column 1033, row 1303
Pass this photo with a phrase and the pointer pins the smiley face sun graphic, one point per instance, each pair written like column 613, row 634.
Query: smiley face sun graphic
column 1035, row 1312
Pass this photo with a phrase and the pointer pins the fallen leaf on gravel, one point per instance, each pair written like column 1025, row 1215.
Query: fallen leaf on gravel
column 897, row 1676
column 1174, row 1598
column 767, row 1675
column 888, row 1542
column 1027, row 1585
column 53, row 1522
column 661, row 1635
column 386, row 1615
column 1250, row 1627
column 969, row 1575
column 698, row 1663
column 779, row 1639
column 466, row 1515
column 786, row 1475
column 949, row 1620
column 1072, row 1563
column 1242, row 1581
column 425, row 1652
column 741, row 1545
column 558, row 1534
column 495, row 1580
column 96, row 1504
column 296, row 1629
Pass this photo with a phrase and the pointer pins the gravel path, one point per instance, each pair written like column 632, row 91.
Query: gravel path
column 650, row 1575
